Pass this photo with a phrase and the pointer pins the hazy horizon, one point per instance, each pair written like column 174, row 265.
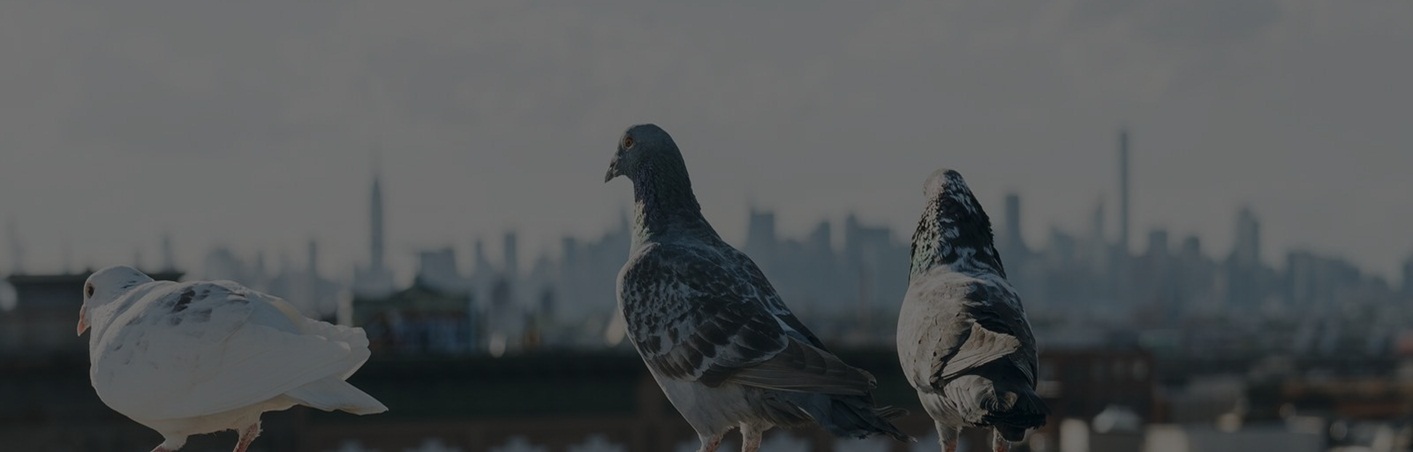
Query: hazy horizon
column 254, row 124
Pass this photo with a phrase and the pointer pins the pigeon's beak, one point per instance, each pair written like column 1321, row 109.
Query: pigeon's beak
column 612, row 169
column 83, row 320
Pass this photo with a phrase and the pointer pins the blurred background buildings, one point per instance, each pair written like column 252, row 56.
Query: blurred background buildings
column 1166, row 347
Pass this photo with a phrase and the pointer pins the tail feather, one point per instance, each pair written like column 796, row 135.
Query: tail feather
column 1012, row 408
column 850, row 416
column 332, row 393
column 1021, row 410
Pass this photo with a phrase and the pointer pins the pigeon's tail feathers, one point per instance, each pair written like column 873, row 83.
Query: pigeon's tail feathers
column 1012, row 408
column 332, row 393
column 847, row 416
column 1020, row 409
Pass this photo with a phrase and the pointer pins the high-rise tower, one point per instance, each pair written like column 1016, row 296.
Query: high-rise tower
column 1012, row 244
column 375, row 211
column 1123, row 191
column 376, row 279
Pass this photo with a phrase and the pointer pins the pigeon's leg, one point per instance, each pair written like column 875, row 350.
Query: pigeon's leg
column 750, row 438
column 247, row 436
column 999, row 444
column 948, row 437
column 710, row 443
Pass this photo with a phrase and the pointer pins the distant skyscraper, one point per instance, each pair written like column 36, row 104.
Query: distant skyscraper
column 1098, row 245
column 375, row 280
column 760, row 237
column 1012, row 242
column 1244, row 283
column 1247, row 250
column 1124, row 191
column 375, row 213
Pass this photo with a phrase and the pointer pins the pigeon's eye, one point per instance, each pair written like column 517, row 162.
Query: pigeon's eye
column 88, row 290
column 627, row 142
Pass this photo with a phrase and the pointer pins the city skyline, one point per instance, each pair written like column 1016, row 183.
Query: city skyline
column 251, row 125
column 370, row 257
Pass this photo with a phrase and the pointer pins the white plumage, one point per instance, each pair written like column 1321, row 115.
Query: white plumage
column 207, row 356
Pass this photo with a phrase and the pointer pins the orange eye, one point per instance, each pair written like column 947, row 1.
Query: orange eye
column 88, row 290
column 627, row 142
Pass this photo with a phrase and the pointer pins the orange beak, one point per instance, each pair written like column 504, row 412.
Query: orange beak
column 83, row 320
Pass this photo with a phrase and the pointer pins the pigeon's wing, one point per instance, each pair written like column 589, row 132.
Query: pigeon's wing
column 773, row 303
column 991, row 326
column 207, row 347
column 997, row 329
column 698, row 315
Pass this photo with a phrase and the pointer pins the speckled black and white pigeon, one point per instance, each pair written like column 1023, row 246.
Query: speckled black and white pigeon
column 207, row 356
column 711, row 329
column 963, row 338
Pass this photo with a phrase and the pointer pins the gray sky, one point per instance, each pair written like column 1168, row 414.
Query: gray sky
column 252, row 123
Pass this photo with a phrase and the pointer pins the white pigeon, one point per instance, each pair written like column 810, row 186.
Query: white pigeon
column 208, row 356
column 711, row 329
column 963, row 339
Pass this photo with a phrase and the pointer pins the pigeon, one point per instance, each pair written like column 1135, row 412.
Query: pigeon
column 963, row 340
column 713, row 332
column 208, row 356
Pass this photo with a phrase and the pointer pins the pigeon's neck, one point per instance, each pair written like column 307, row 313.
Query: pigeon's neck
column 954, row 232
column 664, row 205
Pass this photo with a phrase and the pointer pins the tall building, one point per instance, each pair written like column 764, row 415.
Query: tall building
column 1124, row 192
column 1245, row 282
column 376, row 279
column 760, row 238
column 375, row 221
column 1248, row 238
column 1012, row 244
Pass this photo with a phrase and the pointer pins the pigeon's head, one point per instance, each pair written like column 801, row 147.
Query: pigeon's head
column 106, row 285
column 954, row 230
column 639, row 144
column 947, row 182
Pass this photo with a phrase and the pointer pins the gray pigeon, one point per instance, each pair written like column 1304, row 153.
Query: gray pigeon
column 963, row 339
column 711, row 329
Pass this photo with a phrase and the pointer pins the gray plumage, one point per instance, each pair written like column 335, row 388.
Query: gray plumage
column 713, row 332
column 963, row 340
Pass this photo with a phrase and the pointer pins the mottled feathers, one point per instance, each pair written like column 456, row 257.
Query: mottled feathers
column 963, row 338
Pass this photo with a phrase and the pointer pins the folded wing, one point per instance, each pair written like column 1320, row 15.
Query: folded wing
column 991, row 326
column 711, row 320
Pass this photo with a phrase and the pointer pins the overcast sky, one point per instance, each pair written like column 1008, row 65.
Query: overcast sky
column 253, row 123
